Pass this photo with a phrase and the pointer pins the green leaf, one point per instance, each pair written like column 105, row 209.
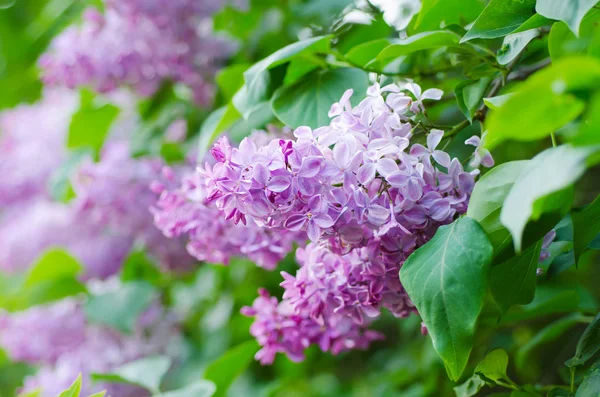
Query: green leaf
column 470, row 387
column 53, row 277
column 536, row 21
column 562, row 42
column 138, row 266
column 513, row 282
column 435, row 13
column 588, row 344
column 447, row 279
column 569, row 11
column 543, row 188
column 73, row 390
column 545, row 336
column 147, row 373
column 497, row 101
column 469, row 95
column 549, row 299
column 590, row 387
column 59, row 184
column 120, row 309
column 223, row 371
column 201, row 388
column 500, row 18
column 254, row 75
column 217, row 122
column 417, row 42
column 513, row 44
column 300, row 67
column 308, row 102
column 231, row 79
column 559, row 392
column 99, row 394
column 364, row 53
column 90, row 124
column 248, row 98
column 492, row 368
column 53, row 265
column 587, row 134
column 544, row 102
column 487, row 199
column 586, row 226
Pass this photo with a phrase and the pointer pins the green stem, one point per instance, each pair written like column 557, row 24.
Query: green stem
column 572, row 380
column 458, row 128
column 553, row 139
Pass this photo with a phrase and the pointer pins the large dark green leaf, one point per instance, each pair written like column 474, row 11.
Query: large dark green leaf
column 588, row 344
column 586, row 226
column 513, row 282
column 223, row 371
column 500, row 18
column 569, row 11
column 121, row 308
column 543, row 192
column 447, row 279
column 308, row 102
column 147, row 373
column 487, row 199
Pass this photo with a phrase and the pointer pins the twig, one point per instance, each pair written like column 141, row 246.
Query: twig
column 526, row 71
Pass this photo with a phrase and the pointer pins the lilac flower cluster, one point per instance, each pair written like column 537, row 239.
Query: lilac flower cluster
column 139, row 43
column 58, row 339
column 366, row 198
column 100, row 226
column 186, row 211
column 30, row 132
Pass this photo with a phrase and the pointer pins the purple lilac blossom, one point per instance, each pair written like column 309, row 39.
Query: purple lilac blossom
column 57, row 339
column 365, row 196
column 32, row 145
column 106, row 220
column 185, row 211
column 139, row 44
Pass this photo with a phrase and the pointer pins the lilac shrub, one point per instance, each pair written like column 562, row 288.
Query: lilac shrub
column 365, row 196
column 139, row 44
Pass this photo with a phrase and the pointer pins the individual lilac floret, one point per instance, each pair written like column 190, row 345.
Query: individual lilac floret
column 366, row 198
column 548, row 239
column 139, row 44
column 57, row 339
column 482, row 156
